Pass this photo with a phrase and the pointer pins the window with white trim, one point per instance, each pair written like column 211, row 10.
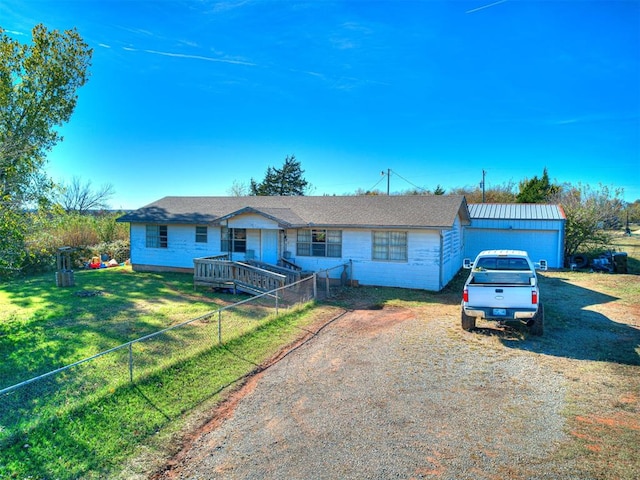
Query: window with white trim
column 233, row 240
column 157, row 236
column 391, row 246
column 201, row 234
column 319, row 243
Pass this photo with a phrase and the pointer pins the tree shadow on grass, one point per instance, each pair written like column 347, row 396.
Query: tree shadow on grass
column 573, row 329
column 52, row 326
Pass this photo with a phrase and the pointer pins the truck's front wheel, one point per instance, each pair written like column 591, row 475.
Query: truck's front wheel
column 538, row 322
column 468, row 323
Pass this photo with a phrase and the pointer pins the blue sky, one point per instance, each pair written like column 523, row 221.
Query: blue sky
column 186, row 97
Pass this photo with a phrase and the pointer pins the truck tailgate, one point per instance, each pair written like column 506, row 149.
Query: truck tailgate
column 500, row 296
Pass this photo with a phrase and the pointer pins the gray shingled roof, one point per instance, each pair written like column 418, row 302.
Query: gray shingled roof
column 516, row 211
column 412, row 211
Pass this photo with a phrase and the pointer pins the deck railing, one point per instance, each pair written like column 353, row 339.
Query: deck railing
column 206, row 269
column 291, row 275
column 221, row 272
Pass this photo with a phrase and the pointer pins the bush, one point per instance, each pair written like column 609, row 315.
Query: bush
column 118, row 250
column 39, row 261
column 88, row 235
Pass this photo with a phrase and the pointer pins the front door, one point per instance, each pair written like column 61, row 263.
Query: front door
column 269, row 252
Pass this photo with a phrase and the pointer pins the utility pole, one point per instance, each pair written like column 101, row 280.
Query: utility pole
column 482, row 185
column 388, row 179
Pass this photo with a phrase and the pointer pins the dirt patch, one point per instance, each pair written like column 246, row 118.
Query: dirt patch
column 376, row 321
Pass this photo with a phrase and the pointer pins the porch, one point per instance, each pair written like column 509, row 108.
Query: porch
column 250, row 276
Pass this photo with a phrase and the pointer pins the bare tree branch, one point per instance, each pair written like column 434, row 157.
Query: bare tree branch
column 81, row 198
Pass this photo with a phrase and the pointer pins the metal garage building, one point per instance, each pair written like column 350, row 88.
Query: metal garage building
column 536, row 228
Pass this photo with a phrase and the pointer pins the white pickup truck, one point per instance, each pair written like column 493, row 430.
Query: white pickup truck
column 503, row 286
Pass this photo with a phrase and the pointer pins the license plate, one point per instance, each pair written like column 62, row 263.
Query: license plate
column 500, row 311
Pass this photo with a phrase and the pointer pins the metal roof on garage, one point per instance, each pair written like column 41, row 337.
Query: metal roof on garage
column 516, row 211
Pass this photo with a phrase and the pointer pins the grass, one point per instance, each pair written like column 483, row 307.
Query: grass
column 43, row 327
column 89, row 421
column 631, row 245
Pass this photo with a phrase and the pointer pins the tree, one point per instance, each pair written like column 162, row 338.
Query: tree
column 633, row 212
column 439, row 190
column 536, row 190
column 238, row 189
column 287, row 180
column 38, row 85
column 362, row 192
column 81, row 198
column 589, row 212
column 496, row 194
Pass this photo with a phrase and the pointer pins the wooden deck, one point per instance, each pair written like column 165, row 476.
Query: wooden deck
column 251, row 277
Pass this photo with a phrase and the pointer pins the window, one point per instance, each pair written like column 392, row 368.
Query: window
column 156, row 236
column 494, row 263
column 201, row 234
column 390, row 246
column 233, row 240
column 319, row 243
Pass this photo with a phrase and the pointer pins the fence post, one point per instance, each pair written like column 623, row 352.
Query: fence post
column 277, row 295
column 131, row 362
column 326, row 282
column 219, row 327
column 315, row 286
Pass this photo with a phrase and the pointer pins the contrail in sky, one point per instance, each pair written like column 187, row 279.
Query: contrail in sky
column 486, row 6
column 195, row 57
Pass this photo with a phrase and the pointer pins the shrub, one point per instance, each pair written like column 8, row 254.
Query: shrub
column 118, row 250
column 88, row 235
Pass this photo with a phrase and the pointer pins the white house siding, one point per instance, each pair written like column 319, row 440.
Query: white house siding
column 421, row 270
column 542, row 239
column 452, row 252
column 313, row 264
column 181, row 246
column 250, row 221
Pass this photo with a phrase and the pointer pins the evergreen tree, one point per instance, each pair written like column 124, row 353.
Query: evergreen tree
column 537, row 190
column 287, row 181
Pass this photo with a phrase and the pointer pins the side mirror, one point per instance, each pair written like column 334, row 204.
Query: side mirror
column 466, row 263
column 543, row 265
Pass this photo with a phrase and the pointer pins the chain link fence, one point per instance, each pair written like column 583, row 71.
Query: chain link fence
column 45, row 399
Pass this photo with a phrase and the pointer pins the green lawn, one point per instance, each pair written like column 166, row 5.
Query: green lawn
column 43, row 327
column 630, row 245
column 89, row 420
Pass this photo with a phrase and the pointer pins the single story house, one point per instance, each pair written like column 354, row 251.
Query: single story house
column 536, row 228
column 401, row 241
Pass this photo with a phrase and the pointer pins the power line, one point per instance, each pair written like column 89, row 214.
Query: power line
column 381, row 178
column 410, row 183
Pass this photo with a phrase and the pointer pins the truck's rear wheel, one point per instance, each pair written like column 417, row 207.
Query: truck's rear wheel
column 468, row 323
column 538, row 322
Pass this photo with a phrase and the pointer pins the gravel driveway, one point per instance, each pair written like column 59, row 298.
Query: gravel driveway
column 391, row 393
